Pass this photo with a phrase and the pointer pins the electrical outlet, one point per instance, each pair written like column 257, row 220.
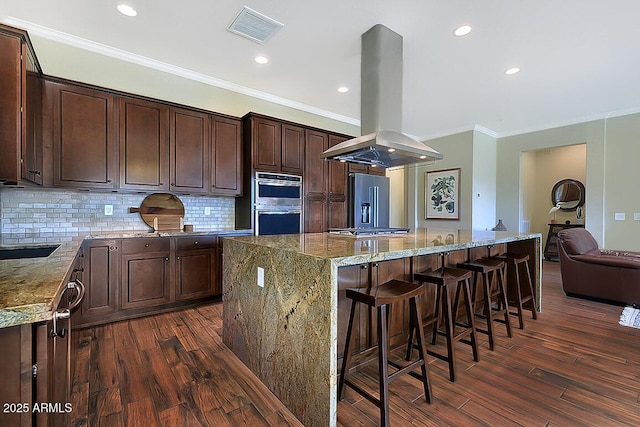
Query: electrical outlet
column 108, row 209
column 207, row 210
column 636, row 216
column 261, row 277
column 620, row 216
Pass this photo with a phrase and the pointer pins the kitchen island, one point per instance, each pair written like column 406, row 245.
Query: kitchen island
column 282, row 294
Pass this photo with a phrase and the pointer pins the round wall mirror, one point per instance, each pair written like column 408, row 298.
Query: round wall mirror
column 568, row 194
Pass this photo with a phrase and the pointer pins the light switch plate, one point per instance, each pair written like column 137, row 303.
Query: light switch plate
column 108, row 209
column 207, row 210
column 620, row 216
column 636, row 216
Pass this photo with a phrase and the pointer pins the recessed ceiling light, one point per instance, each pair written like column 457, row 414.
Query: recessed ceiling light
column 391, row 150
column 343, row 89
column 511, row 71
column 423, row 157
column 462, row 31
column 261, row 59
column 127, row 9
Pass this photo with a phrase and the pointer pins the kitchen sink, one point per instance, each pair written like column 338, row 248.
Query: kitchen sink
column 27, row 252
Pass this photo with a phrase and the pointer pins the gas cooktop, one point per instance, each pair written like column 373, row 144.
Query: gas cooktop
column 368, row 231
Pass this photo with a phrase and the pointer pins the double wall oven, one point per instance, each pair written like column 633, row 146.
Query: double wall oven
column 277, row 203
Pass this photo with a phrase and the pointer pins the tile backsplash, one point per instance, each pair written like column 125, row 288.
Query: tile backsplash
column 27, row 210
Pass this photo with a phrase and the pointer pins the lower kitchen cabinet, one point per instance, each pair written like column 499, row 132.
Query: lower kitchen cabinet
column 101, row 276
column 361, row 277
column 146, row 272
column 196, row 267
column 16, row 387
column 127, row 278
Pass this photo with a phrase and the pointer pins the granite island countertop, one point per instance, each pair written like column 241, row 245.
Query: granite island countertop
column 345, row 250
column 31, row 287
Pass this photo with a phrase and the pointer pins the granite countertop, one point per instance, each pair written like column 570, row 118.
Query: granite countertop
column 351, row 250
column 31, row 287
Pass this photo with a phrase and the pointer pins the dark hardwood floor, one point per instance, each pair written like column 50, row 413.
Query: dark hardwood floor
column 574, row 366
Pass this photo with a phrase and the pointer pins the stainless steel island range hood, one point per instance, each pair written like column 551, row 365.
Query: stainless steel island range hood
column 381, row 144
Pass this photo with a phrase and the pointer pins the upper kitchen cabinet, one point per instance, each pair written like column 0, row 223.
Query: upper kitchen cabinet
column 316, row 169
column 144, row 143
column 276, row 146
column 338, row 202
column 358, row 168
column 189, row 158
column 226, row 156
column 17, row 59
column 292, row 149
column 84, row 136
column 266, row 144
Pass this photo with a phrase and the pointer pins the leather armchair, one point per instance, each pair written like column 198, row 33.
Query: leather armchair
column 609, row 275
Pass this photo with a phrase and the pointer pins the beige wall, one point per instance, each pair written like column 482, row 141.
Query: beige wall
column 622, row 177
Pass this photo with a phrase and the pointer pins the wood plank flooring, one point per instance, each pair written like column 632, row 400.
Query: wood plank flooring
column 574, row 366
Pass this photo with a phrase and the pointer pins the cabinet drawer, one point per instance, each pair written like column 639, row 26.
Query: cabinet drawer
column 152, row 244
column 196, row 242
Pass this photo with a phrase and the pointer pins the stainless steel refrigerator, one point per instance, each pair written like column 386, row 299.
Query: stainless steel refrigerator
column 368, row 201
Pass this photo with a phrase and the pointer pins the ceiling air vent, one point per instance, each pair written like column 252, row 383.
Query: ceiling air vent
column 254, row 26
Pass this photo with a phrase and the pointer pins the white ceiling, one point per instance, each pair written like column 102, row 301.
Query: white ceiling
column 579, row 58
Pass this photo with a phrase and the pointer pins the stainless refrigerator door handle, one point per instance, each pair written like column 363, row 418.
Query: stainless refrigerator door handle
column 375, row 203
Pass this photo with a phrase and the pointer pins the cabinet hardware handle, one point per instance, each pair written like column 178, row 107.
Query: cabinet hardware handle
column 109, row 181
column 178, row 258
column 146, row 245
column 365, row 267
column 172, row 184
column 195, row 243
column 81, row 289
column 166, row 259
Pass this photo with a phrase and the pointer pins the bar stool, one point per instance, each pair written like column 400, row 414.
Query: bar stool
column 445, row 278
column 516, row 260
column 492, row 271
column 388, row 293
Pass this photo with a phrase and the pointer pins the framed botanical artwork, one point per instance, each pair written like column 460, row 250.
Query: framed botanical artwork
column 442, row 194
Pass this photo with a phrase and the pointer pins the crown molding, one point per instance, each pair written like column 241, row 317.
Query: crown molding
column 123, row 55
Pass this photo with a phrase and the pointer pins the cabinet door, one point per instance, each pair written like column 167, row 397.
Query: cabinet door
column 382, row 272
column 83, row 137
column 292, row 149
column 145, row 279
column 316, row 169
column 353, row 276
column 144, row 144
column 12, row 72
column 189, row 146
column 338, row 203
column 16, row 361
column 32, row 161
column 101, row 280
column 226, row 156
column 196, row 274
column 266, row 145
column 315, row 214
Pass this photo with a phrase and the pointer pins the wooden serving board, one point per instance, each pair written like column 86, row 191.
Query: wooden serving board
column 161, row 211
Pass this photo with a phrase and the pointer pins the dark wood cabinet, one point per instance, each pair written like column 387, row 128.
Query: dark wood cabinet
column 144, row 144
column 266, row 144
column 292, row 149
column 16, row 364
column 196, row 267
column 337, row 200
column 146, row 273
column 18, row 59
column 551, row 244
column 315, row 183
column 84, row 137
column 357, row 168
column 189, row 151
column 226, row 156
column 101, row 279
column 33, row 154
column 362, row 276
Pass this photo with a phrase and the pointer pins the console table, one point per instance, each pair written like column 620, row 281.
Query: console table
column 551, row 245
